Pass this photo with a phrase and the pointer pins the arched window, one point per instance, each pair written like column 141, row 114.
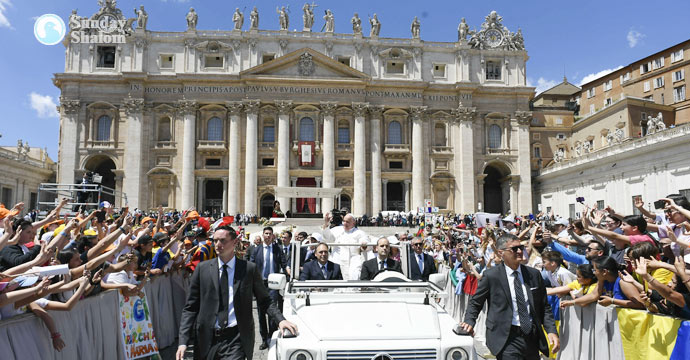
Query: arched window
column 494, row 136
column 215, row 129
column 164, row 129
column 394, row 133
column 537, row 151
column 103, row 128
column 343, row 132
column 269, row 134
column 306, row 129
column 440, row 135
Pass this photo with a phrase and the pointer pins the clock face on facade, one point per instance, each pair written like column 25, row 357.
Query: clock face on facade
column 493, row 37
column 107, row 23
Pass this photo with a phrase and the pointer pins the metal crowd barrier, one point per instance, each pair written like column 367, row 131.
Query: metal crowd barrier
column 91, row 330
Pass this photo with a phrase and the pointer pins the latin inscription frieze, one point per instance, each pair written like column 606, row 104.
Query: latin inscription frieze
column 297, row 90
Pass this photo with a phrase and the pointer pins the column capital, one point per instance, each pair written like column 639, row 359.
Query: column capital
column 407, row 181
column 376, row 111
column 317, row 178
column 417, row 112
column 225, row 179
column 284, row 106
column 464, row 113
column 384, row 181
column 133, row 105
column 69, row 106
column 360, row 108
column 293, row 178
column 328, row 108
column 187, row 107
column 523, row 117
column 234, row 107
column 251, row 106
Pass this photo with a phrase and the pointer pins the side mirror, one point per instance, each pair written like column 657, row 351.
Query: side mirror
column 277, row 281
column 439, row 280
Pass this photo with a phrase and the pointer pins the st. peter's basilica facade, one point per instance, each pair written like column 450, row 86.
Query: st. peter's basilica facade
column 220, row 119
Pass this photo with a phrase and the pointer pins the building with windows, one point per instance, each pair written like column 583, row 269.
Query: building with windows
column 219, row 119
column 626, row 139
column 22, row 170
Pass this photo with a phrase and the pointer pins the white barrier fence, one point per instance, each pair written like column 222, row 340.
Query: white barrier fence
column 91, row 330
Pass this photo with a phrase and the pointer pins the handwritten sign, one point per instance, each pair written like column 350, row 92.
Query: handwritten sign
column 136, row 328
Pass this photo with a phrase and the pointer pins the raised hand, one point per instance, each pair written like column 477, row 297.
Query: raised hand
column 638, row 202
column 679, row 264
column 641, row 266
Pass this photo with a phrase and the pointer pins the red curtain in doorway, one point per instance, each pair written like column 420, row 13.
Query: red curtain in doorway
column 309, row 202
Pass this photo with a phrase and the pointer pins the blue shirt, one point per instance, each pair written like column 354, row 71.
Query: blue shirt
column 569, row 255
column 613, row 289
column 161, row 259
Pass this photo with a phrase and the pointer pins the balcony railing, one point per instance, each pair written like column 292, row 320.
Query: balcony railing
column 344, row 147
column 165, row 144
column 267, row 145
column 441, row 150
column 396, row 149
column 491, row 151
column 212, row 146
column 101, row 144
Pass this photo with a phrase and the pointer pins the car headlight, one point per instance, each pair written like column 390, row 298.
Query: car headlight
column 457, row 354
column 301, row 355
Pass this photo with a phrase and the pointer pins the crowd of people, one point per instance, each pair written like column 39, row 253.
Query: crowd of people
column 633, row 261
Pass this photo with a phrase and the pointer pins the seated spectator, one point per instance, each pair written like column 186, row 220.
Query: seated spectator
column 321, row 269
column 382, row 262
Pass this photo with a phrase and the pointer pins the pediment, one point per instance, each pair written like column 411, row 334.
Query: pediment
column 305, row 63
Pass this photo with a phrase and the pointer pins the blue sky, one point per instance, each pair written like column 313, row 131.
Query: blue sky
column 578, row 39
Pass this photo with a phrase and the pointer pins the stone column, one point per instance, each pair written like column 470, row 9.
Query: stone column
column 525, row 186
column 200, row 194
column 329, row 136
column 69, row 140
column 385, row 194
column 283, row 180
column 293, row 183
column 359, row 206
column 233, row 185
column 188, row 111
column 318, row 201
column 463, row 148
column 417, row 116
column 480, row 192
column 406, row 184
column 133, row 151
column 251, row 108
column 375, row 140
column 225, row 197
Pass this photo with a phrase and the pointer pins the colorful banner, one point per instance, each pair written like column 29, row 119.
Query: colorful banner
column 137, row 331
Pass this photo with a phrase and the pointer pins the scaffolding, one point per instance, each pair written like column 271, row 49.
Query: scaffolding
column 86, row 196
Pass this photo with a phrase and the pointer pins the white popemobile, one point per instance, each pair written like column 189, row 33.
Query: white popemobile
column 388, row 318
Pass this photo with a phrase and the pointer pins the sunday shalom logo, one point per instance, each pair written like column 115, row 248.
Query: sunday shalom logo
column 104, row 30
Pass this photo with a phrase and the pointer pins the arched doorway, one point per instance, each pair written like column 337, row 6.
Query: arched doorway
column 496, row 198
column 103, row 166
column 266, row 206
